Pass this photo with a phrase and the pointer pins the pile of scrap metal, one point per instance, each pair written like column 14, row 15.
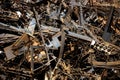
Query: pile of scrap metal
column 59, row 40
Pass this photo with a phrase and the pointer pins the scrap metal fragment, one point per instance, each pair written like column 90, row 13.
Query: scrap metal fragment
column 9, row 53
column 107, row 32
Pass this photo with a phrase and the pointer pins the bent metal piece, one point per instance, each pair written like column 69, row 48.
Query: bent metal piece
column 12, row 51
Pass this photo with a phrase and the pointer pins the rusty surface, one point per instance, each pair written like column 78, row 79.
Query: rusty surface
column 59, row 40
